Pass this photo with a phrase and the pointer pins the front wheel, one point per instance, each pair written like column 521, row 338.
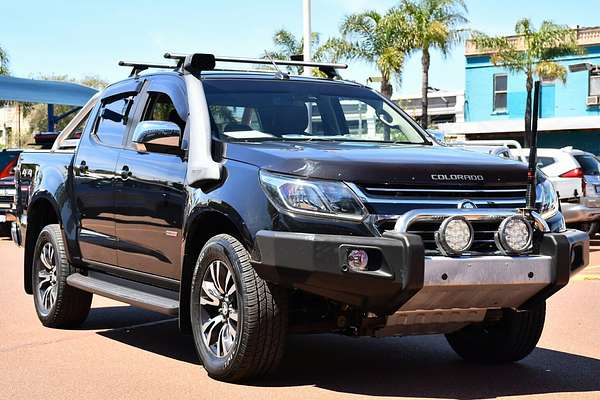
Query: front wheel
column 513, row 338
column 239, row 321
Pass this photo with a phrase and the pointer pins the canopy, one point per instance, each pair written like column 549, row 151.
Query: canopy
column 47, row 92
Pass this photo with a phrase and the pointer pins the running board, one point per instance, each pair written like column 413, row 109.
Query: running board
column 120, row 292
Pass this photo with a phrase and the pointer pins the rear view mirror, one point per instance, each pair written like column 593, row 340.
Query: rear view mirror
column 157, row 136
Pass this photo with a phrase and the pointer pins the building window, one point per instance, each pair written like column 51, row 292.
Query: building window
column 500, row 92
column 595, row 82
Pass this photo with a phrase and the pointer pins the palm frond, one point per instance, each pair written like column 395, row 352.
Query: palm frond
column 551, row 70
column 285, row 41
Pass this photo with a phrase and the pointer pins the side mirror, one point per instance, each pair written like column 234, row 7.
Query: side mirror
column 157, row 136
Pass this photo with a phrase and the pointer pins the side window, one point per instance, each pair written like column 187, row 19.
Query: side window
column 112, row 121
column 545, row 161
column 500, row 92
column 151, row 133
column 160, row 108
column 594, row 88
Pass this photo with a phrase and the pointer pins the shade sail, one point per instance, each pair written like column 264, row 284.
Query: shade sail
column 41, row 91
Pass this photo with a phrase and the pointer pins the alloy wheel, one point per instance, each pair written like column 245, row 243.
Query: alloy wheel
column 219, row 309
column 46, row 278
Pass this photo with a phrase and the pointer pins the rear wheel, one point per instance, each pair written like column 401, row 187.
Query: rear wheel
column 57, row 304
column 511, row 339
column 239, row 321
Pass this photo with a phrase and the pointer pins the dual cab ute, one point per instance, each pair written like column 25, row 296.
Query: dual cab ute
column 253, row 204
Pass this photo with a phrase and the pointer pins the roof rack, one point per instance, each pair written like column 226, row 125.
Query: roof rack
column 328, row 69
column 138, row 67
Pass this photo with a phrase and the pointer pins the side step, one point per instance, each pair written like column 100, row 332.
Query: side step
column 120, row 292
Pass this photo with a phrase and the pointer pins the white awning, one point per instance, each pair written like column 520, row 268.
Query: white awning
column 42, row 91
column 518, row 125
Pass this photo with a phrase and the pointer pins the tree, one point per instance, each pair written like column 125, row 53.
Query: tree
column 532, row 53
column 287, row 45
column 432, row 24
column 377, row 39
column 3, row 62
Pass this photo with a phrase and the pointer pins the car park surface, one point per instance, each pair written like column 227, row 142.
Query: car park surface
column 136, row 354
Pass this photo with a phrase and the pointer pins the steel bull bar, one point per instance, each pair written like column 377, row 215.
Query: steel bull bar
column 419, row 293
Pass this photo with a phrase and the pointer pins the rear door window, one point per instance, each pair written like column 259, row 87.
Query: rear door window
column 589, row 165
column 112, row 121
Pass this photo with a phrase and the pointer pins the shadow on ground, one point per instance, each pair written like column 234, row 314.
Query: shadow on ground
column 118, row 317
column 411, row 366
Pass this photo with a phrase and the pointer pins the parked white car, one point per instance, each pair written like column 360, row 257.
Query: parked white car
column 575, row 175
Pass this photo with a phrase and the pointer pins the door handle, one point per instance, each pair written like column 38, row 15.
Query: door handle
column 83, row 167
column 125, row 172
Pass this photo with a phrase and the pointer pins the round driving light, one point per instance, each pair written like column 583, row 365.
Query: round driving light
column 514, row 235
column 455, row 236
column 358, row 260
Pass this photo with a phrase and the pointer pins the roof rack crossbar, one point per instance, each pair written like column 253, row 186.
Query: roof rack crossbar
column 138, row 67
column 328, row 69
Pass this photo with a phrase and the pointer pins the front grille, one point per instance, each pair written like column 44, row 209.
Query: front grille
column 483, row 242
column 403, row 198
column 445, row 193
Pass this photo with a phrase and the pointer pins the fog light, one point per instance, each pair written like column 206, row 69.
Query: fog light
column 514, row 235
column 358, row 260
column 455, row 236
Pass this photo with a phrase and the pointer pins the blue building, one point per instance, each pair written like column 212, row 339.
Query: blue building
column 495, row 100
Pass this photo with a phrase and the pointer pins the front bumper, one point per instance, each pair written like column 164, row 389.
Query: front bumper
column 401, row 277
column 576, row 212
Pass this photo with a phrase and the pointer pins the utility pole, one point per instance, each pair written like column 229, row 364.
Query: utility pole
column 307, row 36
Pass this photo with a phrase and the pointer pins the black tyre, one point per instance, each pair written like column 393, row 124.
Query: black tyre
column 239, row 321
column 513, row 338
column 57, row 304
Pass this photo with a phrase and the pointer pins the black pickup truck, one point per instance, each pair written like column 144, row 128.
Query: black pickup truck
column 255, row 204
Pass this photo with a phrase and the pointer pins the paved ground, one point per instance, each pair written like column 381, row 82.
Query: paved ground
column 123, row 352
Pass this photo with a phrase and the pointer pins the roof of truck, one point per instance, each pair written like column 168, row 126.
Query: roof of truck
column 240, row 74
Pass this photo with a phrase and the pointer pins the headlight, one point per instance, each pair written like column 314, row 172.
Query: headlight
column 313, row 197
column 547, row 200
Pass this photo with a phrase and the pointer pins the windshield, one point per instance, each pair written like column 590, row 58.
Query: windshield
column 260, row 109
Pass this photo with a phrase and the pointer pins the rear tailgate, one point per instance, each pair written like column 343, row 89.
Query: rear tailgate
column 35, row 170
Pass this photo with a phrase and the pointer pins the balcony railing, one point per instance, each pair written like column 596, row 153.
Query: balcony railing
column 585, row 37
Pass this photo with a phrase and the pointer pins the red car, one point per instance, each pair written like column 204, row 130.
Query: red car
column 8, row 160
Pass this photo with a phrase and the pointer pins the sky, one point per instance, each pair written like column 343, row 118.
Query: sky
column 84, row 37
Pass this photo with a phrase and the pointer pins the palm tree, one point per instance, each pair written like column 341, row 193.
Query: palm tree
column 433, row 24
column 375, row 38
column 287, row 45
column 532, row 53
